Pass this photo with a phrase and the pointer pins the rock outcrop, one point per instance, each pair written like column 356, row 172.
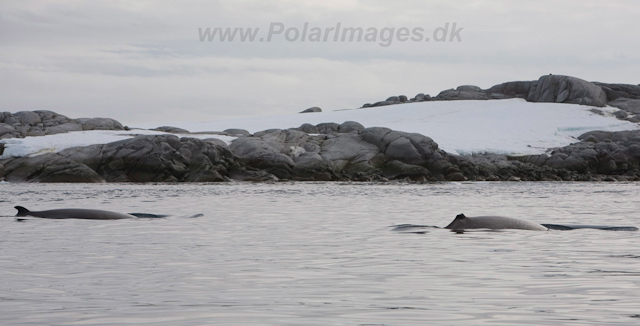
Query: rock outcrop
column 465, row 92
column 566, row 89
column 40, row 123
column 606, row 154
column 324, row 152
column 615, row 91
column 549, row 88
column 161, row 158
column 345, row 152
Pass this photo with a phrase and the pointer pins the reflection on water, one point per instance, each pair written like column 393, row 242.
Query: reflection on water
column 319, row 254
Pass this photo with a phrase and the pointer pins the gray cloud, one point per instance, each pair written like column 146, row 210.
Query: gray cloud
column 142, row 62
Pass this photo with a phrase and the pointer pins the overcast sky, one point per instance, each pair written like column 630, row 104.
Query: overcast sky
column 143, row 61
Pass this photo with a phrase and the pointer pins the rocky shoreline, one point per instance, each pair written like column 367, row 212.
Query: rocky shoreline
column 334, row 152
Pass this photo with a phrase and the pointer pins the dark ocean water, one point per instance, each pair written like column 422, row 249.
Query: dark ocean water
column 319, row 254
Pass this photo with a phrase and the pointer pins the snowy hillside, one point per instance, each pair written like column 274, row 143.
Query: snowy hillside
column 511, row 126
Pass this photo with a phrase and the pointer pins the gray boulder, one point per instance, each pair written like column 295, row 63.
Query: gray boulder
column 350, row 126
column 565, row 89
column 27, row 118
column 100, row 124
column 42, row 122
column 258, row 153
column 7, row 131
column 420, row 97
column 349, row 153
column 312, row 110
column 327, row 128
column 308, row 128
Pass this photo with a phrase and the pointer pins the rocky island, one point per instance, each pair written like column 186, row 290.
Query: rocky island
column 334, row 151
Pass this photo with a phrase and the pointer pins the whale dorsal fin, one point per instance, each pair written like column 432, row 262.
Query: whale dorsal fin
column 460, row 217
column 22, row 211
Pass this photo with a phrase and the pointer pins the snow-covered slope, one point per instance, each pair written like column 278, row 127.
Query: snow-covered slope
column 460, row 127
column 512, row 126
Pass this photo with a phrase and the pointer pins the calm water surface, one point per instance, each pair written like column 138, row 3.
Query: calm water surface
column 319, row 254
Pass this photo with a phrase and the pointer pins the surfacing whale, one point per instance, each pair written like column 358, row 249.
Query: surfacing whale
column 461, row 223
column 79, row 213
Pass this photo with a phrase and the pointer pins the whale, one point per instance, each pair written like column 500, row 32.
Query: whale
column 461, row 223
column 77, row 213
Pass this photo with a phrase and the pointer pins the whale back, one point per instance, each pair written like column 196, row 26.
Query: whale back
column 461, row 222
column 77, row 213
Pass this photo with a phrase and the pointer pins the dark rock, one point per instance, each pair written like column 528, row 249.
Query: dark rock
column 602, row 153
column 260, row 154
column 173, row 130
column 468, row 88
column 350, row 151
column 350, row 126
column 312, row 109
column 635, row 119
column 456, row 176
column 395, row 169
column 27, row 118
column 565, row 89
column 162, row 158
column 310, row 166
column 403, row 98
column 537, row 160
column 49, row 167
column 621, row 114
column 237, row 132
column 455, row 95
column 615, row 91
column 7, row 131
column 42, row 122
column 327, row 128
column 242, row 174
column 62, row 128
column 418, row 98
column 308, row 128
column 100, row 124
column 515, row 89
column 627, row 104
column 393, row 99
